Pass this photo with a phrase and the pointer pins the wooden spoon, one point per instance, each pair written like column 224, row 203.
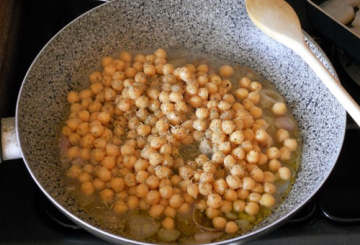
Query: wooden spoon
column 277, row 19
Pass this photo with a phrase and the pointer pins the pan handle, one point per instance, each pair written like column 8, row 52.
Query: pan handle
column 9, row 145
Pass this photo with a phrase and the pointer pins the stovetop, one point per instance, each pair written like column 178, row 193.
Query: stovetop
column 331, row 217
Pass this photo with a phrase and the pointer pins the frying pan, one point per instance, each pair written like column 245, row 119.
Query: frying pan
column 220, row 28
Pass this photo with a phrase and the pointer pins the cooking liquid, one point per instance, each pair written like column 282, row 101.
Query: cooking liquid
column 102, row 211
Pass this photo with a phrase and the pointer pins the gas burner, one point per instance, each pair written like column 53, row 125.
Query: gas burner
column 347, row 69
column 350, row 65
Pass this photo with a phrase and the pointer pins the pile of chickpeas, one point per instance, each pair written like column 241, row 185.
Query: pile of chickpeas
column 127, row 129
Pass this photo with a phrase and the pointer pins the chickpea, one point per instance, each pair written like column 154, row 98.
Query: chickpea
column 168, row 223
column 202, row 113
column 241, row 93
column 218, row 157
column 73, row 97
column 230, row 195
column 279, row 108
column 252, row 208
column 214, row 201
column 108, row 162
column 176, row 201
column 219, row 222
column 205, row 188
column 257, row 174
column 285, row 154
column 184, row 208
column 226, row 207
column 231, row 227
column 267, row 200
column 273, row 153
column 143, row 130
column 237, row 137
column 229, row 161
column 133, row 202
column 87, row 187
column 142, row 191
column 174, row 118
column 224, row 106
column 291, row 144
column 228, row 127
column 284, row 173
column 226, row 71
column 282, row 135
column 211, row 213
column 239, row 206
column 130, row 179
column 155, row 159
column 242, row 193
column 107, row 195
column 117, row 184
column 248, row 183
column 206, row 177
column 156, row 210
column 254, row 197
column 166, row 192
column 99, row 184
column 152, row 197
column 225, row 147
column 238, row 170
column 252, row 156
column 120, row 207
column 274, row 165
column 153, row 182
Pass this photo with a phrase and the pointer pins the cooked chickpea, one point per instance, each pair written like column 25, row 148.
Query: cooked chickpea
column 282, row 135
column 279, row 108
column 142, row 191
column 168, row 223
column 291, row 144
column 202, row 113
column 237, row 137
column 152, row 197
column 241, row 93
column 285, row 154
column 226, row 71
column 234, row 182
column 156, row 210
column 231, row 227
column 184, row 208
column 107, row 195
column 252, row 208
column 120, row 207
column 214, row 201
column 87, row 187
column 228, row 127
column 257, row 174
column 248, row 183
column 284, row 173
column 219, row 222
column 211, row 213
column 205, row 188
column 267, row 200
column 176, row 201
column 166, row 192
column 273, row 153
column 99, row 184
column 153, row 182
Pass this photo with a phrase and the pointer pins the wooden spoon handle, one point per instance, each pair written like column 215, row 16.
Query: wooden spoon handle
column 331, row 83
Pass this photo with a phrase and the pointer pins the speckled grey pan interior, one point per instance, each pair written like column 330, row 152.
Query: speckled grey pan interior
column 222, row 29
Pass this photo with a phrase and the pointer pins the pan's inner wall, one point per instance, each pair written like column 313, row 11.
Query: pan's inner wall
column 220, row 29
